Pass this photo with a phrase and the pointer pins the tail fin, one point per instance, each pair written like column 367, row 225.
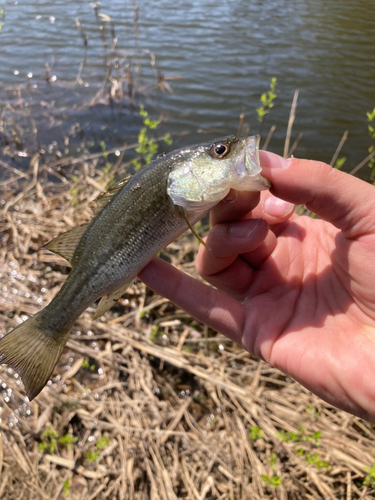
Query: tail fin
column 32, row 351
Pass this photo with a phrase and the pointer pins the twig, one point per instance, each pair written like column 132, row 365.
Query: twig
column 292, row 116
column 14, row 170
column 360, row 165
column 295, row 144
column 339, row 147
column 270, row 133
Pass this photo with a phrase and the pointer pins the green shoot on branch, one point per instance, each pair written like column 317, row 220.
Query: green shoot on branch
column 147, row 146
column 267, row 100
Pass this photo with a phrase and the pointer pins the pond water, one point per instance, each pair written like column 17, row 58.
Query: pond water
column 220, row 56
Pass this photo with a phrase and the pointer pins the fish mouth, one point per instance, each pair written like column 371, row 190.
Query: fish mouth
column 248, row 168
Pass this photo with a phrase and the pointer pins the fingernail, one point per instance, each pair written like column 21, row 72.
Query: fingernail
column 277, row 208
column 243, row 229
column 279, row 162
column 271, row 160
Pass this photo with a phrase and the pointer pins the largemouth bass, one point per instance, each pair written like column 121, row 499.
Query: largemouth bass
column 135, row 219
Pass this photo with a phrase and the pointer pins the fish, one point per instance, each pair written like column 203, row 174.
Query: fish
column 134, row 220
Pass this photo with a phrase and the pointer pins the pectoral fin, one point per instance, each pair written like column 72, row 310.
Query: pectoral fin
column 184, row 216
column 107, row 301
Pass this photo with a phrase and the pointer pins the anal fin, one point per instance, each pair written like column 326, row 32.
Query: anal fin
column 107, row 301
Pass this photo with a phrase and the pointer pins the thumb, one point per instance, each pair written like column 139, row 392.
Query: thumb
column 345, row 201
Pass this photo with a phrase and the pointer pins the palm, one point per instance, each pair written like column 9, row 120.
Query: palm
column 300, row 296
column 302, row 291
column 303, row 310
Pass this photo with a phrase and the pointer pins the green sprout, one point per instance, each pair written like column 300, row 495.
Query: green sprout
column 68, row 441
column 267, row 99
column 108, row 164
column 143, row 314
column 147, row 146
column 154, row 333
column 273, row 460
column 312, row 411
column 313, row 458
column 93, row 455
column 301, row 435
column 86, row 364
column 51, row 440
column 103, row 442
column 255, row 433
column 271, row 480
column 339, row 163
column 74, row 191
column 66, row 487
column 370, row 478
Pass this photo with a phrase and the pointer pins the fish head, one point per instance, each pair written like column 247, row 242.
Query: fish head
column 203, row 175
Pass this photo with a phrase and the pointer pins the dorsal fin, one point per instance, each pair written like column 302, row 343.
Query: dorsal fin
column 66, row 244
column 107, row 301
column 103, row 199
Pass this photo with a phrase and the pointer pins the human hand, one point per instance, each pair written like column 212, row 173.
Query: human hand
column 295, row 291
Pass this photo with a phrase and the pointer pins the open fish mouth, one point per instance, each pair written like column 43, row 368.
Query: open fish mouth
column 248, row 169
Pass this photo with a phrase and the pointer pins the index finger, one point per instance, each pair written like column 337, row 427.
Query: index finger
column 234, row 206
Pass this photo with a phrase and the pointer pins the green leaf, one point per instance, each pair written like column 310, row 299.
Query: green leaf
column 68, row 441
column 92, row 456
column 371, row 115
column 103, row 442
column 255, row 433
column 142, row 111
column 66, row 485
column 340, row 162
column 154, row 333
column 168, row 139
column 273, row 481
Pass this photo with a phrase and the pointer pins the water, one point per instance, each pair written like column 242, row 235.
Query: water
column 225, row 53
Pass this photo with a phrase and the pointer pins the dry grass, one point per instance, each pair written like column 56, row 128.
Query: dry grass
column 160, row 406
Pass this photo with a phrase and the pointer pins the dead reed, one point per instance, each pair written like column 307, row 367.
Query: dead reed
column 147, row 402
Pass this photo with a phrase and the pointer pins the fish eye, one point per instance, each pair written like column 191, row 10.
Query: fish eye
column 219, row 150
